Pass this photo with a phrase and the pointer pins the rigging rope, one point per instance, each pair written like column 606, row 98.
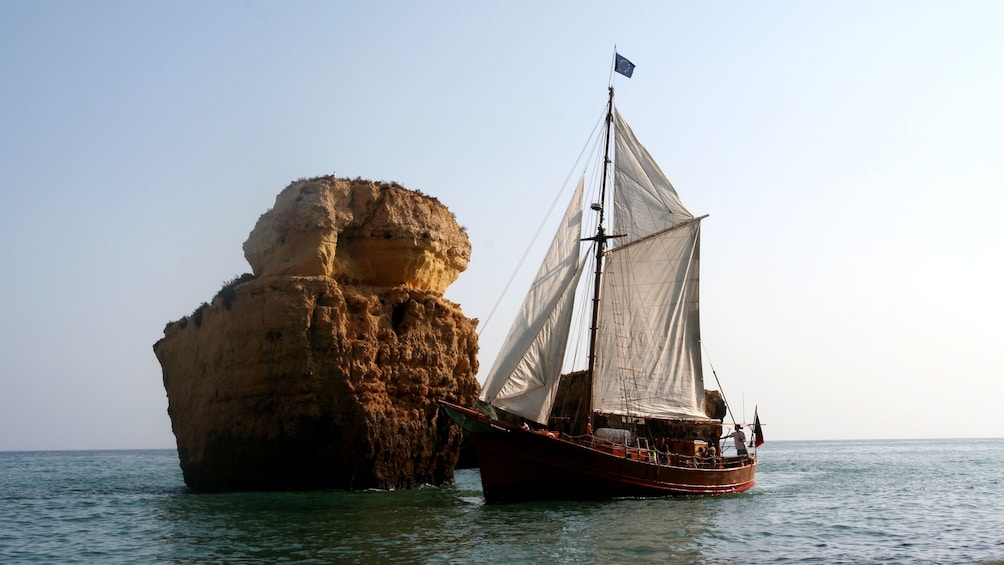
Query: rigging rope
column 720, row 387
column 540, row 227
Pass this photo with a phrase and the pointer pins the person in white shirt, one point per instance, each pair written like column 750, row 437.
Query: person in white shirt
column 740, row 440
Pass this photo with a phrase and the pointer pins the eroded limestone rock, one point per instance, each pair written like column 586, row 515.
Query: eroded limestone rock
column 322, row 369
column 359, row 232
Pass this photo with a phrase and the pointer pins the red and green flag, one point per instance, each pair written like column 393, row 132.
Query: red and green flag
column 757, row 439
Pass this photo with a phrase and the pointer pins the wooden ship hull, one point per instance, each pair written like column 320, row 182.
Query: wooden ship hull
column 519, row 465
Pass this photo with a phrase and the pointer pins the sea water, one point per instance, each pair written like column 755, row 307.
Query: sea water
column 814, row 502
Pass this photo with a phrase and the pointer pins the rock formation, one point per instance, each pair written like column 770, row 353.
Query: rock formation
column 322, row 369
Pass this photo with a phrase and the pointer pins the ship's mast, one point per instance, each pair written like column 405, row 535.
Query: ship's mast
column 601, row 242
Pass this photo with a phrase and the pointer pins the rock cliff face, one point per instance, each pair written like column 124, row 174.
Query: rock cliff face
column 321, row 370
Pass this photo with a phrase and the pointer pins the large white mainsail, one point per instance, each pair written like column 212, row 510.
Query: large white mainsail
column 648, row 351
column 525, row 375
column 649, row 356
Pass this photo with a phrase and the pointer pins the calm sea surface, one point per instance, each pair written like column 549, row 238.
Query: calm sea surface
column 815, row 502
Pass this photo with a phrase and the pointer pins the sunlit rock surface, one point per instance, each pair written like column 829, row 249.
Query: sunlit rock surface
column 359, row 233
column 322, row 369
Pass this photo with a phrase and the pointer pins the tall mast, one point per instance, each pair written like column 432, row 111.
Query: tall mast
column 601, row 242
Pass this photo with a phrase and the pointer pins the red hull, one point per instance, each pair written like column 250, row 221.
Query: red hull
column 522, row 465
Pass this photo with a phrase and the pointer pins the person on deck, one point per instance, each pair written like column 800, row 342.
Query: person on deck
column 740, row 440
column 711, row 456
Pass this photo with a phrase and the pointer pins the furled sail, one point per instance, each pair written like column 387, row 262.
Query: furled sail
column 525, row 375
column 648, row 354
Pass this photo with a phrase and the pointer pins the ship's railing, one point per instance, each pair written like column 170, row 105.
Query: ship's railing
column 643, row 452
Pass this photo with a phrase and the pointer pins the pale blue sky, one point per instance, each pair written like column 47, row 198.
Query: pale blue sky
column 849, row 153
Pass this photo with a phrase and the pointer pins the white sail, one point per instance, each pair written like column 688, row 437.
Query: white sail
column 644, row 354
column 525, row 375
column 648, row 350
column 649, row 356
column 644, row 200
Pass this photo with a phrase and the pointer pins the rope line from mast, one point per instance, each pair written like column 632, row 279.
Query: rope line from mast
column 540, row 227
column 721, row 389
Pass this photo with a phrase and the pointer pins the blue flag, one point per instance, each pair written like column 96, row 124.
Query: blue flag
column 623, row 66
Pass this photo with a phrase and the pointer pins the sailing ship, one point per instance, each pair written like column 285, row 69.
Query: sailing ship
column 642, row 423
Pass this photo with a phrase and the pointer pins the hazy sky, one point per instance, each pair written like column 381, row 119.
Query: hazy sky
column 850, row 155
